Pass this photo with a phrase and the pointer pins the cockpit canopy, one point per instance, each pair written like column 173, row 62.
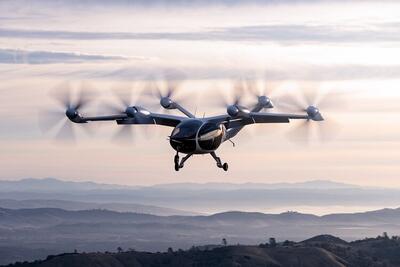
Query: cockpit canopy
column 210, row 136
column 191, row 135
column 186, row 129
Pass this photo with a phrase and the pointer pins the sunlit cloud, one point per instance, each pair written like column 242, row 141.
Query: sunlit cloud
column 9, row 56
column 282, row 33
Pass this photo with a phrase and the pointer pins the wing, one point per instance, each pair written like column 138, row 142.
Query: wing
column 137, row 116
column 255, row 117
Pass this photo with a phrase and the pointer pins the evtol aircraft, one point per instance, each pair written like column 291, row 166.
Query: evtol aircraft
column 190, row 135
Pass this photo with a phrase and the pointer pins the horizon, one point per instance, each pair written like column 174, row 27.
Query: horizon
column 191, row 183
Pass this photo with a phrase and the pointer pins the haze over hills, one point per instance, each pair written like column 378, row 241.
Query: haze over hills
column 76, row 205
column 35, row 233
column 39, row 217
column 320, row 197
column 53, row 184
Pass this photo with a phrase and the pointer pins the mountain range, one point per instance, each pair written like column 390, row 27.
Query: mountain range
column 191, row 198
column 53, row 184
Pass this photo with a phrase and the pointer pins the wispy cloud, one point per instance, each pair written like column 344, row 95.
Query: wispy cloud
column 10, row 56
column 299, row 72
column 383, row 32
column 173, row 3
column 148, row 70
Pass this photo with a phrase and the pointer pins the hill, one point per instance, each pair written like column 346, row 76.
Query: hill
column 329, row 251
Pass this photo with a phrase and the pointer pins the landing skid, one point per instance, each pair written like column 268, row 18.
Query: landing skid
column 180, row 163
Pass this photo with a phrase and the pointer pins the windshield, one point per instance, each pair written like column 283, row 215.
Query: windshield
column 210, row 131
column 186, row 129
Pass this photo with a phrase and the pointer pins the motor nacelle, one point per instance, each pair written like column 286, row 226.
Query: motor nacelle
column 167, row 103
column 74, row 116
column 314, row 114
column 265, row 102
column 136, row 111
column 237, row 111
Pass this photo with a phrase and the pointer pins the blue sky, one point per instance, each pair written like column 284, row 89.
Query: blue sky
column 352, row 47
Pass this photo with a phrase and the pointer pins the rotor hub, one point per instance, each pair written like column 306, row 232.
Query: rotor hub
column 71, row 113
column 312, row 111
column 166, row 102
column 265, row 101
column 232, row 110
column 130, row 111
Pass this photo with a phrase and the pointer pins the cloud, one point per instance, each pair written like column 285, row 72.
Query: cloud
column 300, row 72
column 9, row 56
column 145, row 70
column 286, row 33
column 171, row 3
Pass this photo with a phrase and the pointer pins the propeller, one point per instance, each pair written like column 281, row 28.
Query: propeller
column 127, row 103
column 164, row 94
column 310, row 102
column 124, row 100
column 168, row 95
column 230, row 100
column 67, row 113
column 260, row 95
column 233, row 97
column 124, row 135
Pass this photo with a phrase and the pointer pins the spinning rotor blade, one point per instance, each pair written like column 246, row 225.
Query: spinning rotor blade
column 124, row 135
column 312, row 97
column 261, row 95
column 324, row 130
column 301, row 133
column 49, row 119
column 225, row 98
column 63, row 95
column 124, row 96
column 66, row 132
column 256, row 91
column 238, row 93
column 169, row 92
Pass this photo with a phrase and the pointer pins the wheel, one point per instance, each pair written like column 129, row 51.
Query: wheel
column 177, row 167
column 225, row 166
column 176, row 159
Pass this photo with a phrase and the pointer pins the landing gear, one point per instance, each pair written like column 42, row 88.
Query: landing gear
column 224, row 166
column 176, row 158
column 179, row 165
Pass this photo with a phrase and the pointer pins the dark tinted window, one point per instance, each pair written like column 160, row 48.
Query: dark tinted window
column 208, row 127
column 210, row 136
column 187, row 129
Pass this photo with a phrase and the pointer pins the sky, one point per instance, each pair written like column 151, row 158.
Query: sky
column 348, row 47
